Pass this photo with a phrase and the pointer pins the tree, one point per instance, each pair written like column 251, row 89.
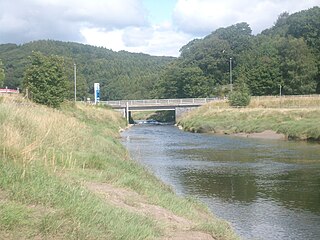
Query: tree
column 240, row 97
column 179, row 81
column 122, row 75
column 238, row 36
column 260, row 66
column 298, row 66
column 46, row 80
column 1, row 74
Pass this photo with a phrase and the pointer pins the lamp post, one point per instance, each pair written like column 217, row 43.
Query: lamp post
column 75, row 82
column 230, row 64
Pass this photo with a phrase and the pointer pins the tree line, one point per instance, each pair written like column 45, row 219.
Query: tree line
column 286, row 57
column 122, row 75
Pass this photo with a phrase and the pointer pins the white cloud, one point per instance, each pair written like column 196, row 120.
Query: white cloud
column 124, row 25
column 204, row 16
column 156, row 40
column 100, row 37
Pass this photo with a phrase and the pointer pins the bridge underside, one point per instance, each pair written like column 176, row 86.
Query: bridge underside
column 179, row 110
column 178, row 105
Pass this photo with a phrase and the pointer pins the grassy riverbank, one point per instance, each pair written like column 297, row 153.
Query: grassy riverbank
column 295, row 117
column 65, row 175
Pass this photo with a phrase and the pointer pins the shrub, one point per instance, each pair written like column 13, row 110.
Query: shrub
column 239, row 99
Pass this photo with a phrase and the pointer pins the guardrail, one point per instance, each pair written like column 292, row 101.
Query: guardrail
column 8, row 90
column 161, row 102
column 286, row 96
column 191, row 101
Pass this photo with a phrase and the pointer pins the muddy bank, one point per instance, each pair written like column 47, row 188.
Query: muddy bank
column 268, row 134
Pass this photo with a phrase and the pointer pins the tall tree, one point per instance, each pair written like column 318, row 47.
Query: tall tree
column 304, row 24
column 46, row 80
column 183, row 82
column 298, row 66
column 260, row 67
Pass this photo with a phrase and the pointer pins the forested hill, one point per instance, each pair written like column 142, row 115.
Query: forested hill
column 122, row 75
column 286, row 55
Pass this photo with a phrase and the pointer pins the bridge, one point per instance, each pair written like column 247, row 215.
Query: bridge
column 177, row 105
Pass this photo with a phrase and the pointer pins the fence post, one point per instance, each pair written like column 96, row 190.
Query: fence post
column 127, row 112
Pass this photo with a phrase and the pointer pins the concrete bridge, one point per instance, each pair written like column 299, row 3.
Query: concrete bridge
column 178, row 105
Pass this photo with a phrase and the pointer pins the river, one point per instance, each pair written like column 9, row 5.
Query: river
column 267, row 189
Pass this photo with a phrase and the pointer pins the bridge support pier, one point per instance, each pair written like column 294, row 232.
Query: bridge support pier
column 127, row 113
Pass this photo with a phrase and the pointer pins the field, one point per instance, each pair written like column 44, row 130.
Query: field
column 64, row 174
column 297, row 117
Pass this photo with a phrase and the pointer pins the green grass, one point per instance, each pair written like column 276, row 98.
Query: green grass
column 13, row 215
column 48, row 156
column 295, row 123
column 87, row 216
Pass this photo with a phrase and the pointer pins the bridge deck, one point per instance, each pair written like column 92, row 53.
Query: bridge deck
column 159, row 102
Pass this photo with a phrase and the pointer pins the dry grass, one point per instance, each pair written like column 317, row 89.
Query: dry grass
column 48, row 155
column 308, row 101
column 34, row 137
column 264, row 113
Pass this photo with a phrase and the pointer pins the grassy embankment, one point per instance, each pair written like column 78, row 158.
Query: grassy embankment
column 295, row 117
column 65, row 175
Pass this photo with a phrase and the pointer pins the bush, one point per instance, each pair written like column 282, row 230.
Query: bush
column 239, row 99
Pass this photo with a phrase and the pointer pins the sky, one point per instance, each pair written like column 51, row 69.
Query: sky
column 155, row 27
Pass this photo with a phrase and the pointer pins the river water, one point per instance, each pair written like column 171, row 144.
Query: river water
column 267, row 189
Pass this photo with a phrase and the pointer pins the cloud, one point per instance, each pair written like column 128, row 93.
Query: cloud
column 160, row 40
column 137, row 36
column 124, row 24
column 201, row 17
column 25, row 20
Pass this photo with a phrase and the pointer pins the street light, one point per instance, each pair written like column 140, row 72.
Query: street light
column 230, row 74
column 75, row 82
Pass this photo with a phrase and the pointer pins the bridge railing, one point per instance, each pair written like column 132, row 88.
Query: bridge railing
column 152, row 102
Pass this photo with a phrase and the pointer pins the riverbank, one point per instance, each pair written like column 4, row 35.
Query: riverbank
column 264, row 118
column 65, row 175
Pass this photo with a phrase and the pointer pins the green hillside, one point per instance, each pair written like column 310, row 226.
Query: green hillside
column 288, row 54
column 122, row 75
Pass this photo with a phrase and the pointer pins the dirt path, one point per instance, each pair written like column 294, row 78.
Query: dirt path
column 176, row 227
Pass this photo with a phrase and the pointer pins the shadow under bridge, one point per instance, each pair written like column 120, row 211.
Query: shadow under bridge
column 178, row 105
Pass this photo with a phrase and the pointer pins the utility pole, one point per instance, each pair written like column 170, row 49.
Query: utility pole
column 280, row 90
column 230, row 74
column 75, row 82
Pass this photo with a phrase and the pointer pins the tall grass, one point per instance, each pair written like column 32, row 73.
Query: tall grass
column 48, row 155
column 37, row 144
column 308, row 101
column 275, row 114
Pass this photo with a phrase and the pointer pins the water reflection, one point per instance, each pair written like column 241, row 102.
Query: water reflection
column 294, row 189
column 228, row 187
column 267, row 189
